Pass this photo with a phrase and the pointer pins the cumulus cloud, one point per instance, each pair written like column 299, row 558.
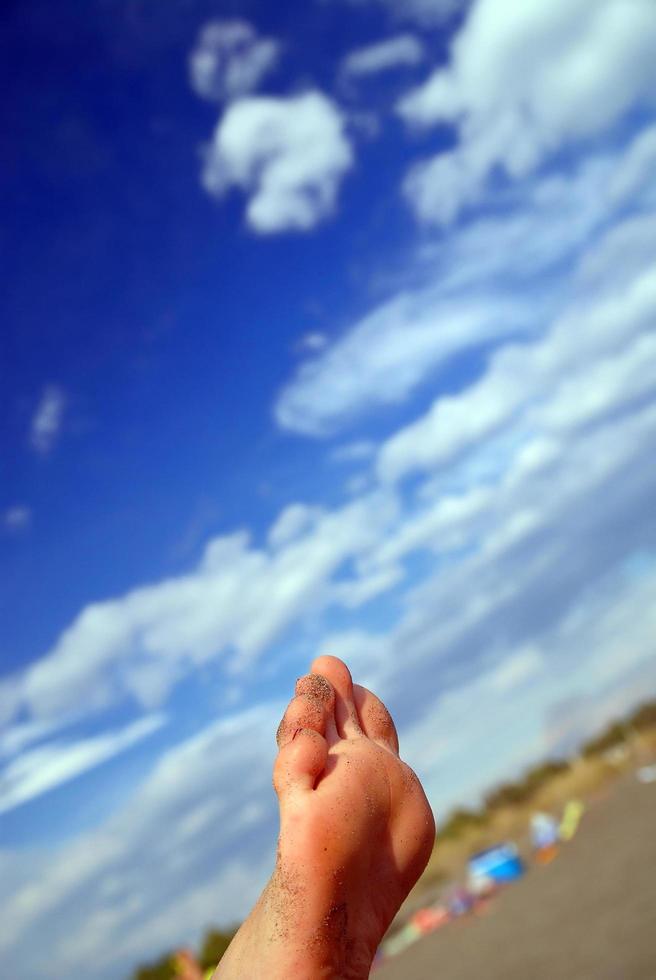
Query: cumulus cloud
column 520, row 86
column 230, row 60
column 403, row 49
column 47, row 420
column 288, row 155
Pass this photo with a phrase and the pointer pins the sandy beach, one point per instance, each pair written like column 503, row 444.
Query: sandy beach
column 590, row 915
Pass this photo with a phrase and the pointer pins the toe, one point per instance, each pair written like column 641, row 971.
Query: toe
column 318, row 689
column 299, row 763
column 301, row 713
column 339, row 676
column 375, row 719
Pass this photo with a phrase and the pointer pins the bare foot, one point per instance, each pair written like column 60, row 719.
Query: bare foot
column 356, row 831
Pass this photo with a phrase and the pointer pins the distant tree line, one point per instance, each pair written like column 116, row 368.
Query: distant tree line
column 619, row 731
column 522, row 791
column 507, row 794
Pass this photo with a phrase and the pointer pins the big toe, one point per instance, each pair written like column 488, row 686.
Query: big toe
column 299, row 763
column 312, row 707
column 303, row 749
column 339, row 676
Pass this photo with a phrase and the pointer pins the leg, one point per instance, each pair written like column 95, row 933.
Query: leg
column 356, row 831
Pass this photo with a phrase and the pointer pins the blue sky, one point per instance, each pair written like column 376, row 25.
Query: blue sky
column 324, row 329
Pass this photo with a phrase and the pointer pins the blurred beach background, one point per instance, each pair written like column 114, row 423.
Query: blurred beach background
column 327, row 327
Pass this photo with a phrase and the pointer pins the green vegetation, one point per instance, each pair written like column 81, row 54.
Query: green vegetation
column 162, row 969
column 214, row 946
column 514, row 794
column 616, row 734
column 460, row 821
column 644, row 717
column 619, row 732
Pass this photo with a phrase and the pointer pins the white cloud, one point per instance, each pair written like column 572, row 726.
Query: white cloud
column 449, row 727
column 545, row 598
column 230, row 60
column 522, row 376
column 17, row 518
column 192, row 847
column 606, row 385
column 477, row 283
column 520, row 85
column 536, row 497
column 516, row 670
column 288, row 154
column 17, row 737
column 533, row 595
column 47, row 419
column 40, row 769
column 538, row 486
column 403, row 49
column 354, row 592
column 312, row 342
column 293, row 521
column 384, row 356
column 549, row 219
column 236, row 602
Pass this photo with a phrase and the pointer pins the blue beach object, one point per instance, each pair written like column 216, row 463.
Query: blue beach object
column 498, row 864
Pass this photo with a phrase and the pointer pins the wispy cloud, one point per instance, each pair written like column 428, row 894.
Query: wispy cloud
column 384, row 356
column 230, row 60
column 40, row 769
column 596, row 357
column 475, row 284
column 47, row 420
column 184, row 851
column 394, row 52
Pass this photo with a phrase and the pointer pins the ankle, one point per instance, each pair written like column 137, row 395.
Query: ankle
column 288, row 937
